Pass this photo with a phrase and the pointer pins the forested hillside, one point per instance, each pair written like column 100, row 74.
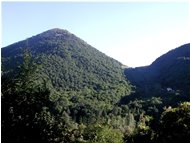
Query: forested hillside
column 82, row 83
column 57, row 88
column 70, row 66
column 171, row 71
column 68, row 62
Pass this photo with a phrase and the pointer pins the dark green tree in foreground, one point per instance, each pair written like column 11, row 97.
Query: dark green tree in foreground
column 27, row 110
column 175, row 124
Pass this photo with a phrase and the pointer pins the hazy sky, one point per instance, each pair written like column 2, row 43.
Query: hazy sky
column 134, row 33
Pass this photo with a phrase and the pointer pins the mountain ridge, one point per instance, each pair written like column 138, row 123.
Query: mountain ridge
column 69, row 63
column 171, row 70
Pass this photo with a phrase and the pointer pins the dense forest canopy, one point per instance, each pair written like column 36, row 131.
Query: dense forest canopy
column 171, row 70
column 57, row 88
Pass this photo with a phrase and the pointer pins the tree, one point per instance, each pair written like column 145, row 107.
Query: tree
column 102, row 134
column 28, row 113
column 175, row 124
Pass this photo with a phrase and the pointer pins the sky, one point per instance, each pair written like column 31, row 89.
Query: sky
column 134, row 33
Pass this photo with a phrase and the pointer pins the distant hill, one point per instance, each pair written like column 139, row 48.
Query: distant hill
column 70, row 64
column 170, row 72
column 174, row 69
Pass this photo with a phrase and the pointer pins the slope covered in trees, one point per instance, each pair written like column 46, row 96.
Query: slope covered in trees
column 71, row 66
column 56, row 88
column 163, row 84
column 68, row 61
column 78, row 84
column 170, row 72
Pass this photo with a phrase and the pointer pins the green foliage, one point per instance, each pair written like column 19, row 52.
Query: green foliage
column 107, row 134
column 171, row 70
column 175, row 123
column 165, row 82
column 69, row 62
column 67, row 91
column 102, row 134
column 28, row 114
column 73, row 69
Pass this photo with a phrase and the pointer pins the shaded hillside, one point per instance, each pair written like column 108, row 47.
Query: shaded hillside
column 174, row 69
column 171, row 71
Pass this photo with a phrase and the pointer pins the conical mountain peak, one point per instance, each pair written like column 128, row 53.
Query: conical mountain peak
column 56, row 31
column 56, row 34
column 68, row 61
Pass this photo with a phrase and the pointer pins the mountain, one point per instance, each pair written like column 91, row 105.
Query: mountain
column 54, row 85
column 70, row 64
column 168, row 73
column 57, row 88
column 174, row 69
